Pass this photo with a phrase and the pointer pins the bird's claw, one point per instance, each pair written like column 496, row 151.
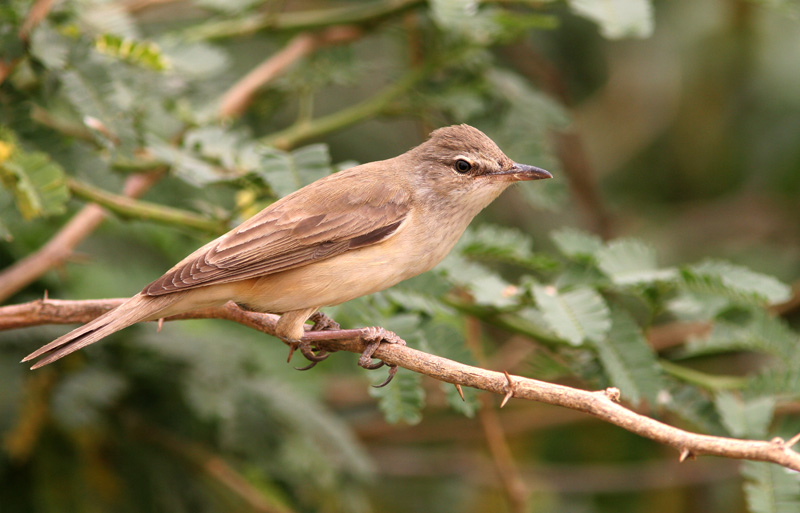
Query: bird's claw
column 374, row 336
column 323, row 322
column 305, row 348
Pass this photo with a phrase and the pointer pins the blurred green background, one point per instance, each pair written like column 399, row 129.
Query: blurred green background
column 670, row 234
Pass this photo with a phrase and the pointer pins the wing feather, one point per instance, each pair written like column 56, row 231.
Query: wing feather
column 345, row 211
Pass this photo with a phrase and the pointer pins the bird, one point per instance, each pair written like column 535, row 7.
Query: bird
column 349, row 234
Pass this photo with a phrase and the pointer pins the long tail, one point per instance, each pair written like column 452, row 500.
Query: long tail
column 136, row 309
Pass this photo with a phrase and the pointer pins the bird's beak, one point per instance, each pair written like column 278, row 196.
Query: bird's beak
column 521, row 172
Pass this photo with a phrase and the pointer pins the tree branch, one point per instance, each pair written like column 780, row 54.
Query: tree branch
column 236, row 100
column 59, row 248
column 358, row 14
column 602, row 404
column 371, row 107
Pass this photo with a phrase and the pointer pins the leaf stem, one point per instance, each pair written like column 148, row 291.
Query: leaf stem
column 701, row 379
column 358, row 14
column 300, row 132
column 134, row 209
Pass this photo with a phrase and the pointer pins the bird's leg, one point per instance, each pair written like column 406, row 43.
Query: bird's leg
column 323, row 322
column 373, row 337
column 290, row 328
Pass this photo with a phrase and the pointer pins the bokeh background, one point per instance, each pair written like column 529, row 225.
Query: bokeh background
column 670, row 232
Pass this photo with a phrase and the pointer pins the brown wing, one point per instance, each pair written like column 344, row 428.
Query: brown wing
column 344, row 211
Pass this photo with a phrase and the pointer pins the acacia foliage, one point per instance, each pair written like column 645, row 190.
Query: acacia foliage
column 98, row 91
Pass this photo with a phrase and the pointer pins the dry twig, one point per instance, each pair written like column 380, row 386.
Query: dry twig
column 603, row 404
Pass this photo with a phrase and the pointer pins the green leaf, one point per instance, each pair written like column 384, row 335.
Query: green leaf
column 142, row 53
column 617, row 18
column 576, row 316
column 443, row 338
column 184, row 163
column 735, row 281
column 401, row 400
column 49, row 47
column 502, row 244
column 486, row 286
column 693, row 405
column 36, row 182
column 465, row 19
column 229, row 6
column 632, row 262
column 770, row 488
column 288, row 171
column 780, row 382
column 577, row 244
column 628, row 359
column 758, row 332
column 745, row 419
column 195, row 61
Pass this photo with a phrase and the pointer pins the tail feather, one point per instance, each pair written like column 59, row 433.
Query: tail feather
column 136, row 309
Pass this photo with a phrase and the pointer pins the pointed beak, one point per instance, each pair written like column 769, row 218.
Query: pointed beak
column 522, row 172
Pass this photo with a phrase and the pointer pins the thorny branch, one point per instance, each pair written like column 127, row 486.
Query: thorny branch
column 603, row 404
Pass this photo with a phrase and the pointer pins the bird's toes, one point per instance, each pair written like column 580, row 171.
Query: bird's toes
column 323, row 322
column 374, row 336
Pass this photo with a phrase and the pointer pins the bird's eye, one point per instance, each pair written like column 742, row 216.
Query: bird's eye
column 462, row 166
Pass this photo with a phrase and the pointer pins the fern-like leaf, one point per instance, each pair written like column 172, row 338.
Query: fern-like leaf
column 628, row 359
column 576, row 316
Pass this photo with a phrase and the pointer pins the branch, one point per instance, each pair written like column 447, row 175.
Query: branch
column 359, row 14
column 569, row 144
column 59, row 248
column 36, row 14
column 371, row 107
column 132, row 209
column 514, row 486
column 236, row 100
column 602, row 404
column 206, row 462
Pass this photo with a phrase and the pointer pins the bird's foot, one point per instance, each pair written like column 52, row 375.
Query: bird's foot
column 323, row 322
column 374, row 336
column 305, row 349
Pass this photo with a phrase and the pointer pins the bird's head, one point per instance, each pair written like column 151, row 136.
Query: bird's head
column 462, row 163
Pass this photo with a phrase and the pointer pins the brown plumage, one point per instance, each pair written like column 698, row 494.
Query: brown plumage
column 346, row 235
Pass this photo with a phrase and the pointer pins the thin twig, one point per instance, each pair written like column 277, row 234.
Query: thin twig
column 236, row 100
column 367, row 13
column 60, row 247
column 36, row 14
column 602, row 404
column 132, row 209
column 371, row 107
column 513, row 485
column 206, row 462
column 569, row 144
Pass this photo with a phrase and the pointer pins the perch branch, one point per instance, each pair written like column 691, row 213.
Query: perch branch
column 603, row 404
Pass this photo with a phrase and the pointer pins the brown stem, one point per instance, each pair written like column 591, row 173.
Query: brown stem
column 571, row 151
column 603, row 404
column 236, row 100
column 206, row 462
column 59, row 248
column 493, row 430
